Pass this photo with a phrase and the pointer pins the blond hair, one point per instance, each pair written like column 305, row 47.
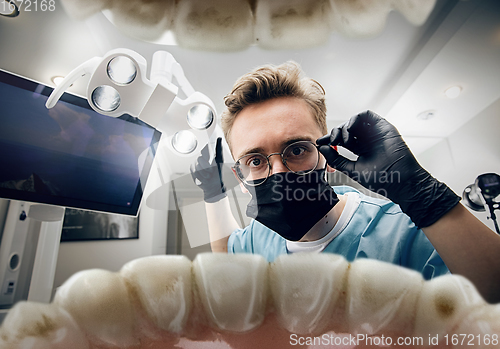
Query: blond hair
column 268, row 82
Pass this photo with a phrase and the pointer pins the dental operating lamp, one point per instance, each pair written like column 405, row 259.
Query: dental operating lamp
column 118, row 85
column 483, row 194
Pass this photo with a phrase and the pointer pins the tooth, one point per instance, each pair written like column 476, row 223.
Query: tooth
column 480, row 328
column 304, row 294
column 145, row 20
column 162, row 285
column 381, row 296
column 81, row 10
column 443, row 302
column 415, row 11
column 233, row 289
column 286, row 24
column 360, row 18
column 36, row 326
column 217, row 25
column 305, row 288
column 99, row 302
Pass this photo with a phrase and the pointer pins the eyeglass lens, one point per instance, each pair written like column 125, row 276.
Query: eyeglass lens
column 299, row 157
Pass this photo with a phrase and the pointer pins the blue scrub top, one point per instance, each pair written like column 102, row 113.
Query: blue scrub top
column 378, row 229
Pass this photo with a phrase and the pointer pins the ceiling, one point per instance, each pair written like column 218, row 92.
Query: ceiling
column 400, row 73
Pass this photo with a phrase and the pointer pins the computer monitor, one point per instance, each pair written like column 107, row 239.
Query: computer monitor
column 70, row 155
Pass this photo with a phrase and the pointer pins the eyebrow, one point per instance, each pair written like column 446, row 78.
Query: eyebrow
column 284, row 144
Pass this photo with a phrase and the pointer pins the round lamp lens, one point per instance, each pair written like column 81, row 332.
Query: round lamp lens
column 122, row 70
column 200, row 117
column 184, row 142
column 106, row 98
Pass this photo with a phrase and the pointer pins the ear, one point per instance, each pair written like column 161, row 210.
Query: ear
column 330, row 169
column 242, row 187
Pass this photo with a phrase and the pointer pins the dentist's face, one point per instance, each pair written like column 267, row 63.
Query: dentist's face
column 268, row 127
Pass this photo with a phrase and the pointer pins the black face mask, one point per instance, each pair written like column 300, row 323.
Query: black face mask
column 291, row 204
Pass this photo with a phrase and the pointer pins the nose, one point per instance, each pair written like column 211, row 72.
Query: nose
column 277, row 164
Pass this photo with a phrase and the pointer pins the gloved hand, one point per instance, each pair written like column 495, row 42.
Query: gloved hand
column 386, row 165
column 209, row 177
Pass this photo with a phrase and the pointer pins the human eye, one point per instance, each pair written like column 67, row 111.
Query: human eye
column 254, row 161
column 297, row 151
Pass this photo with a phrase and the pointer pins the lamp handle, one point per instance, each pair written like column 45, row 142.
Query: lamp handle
column 82, row 70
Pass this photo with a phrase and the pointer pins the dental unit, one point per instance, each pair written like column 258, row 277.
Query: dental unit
column 118, row 85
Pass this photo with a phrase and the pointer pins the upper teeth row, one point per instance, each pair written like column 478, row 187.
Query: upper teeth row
column 159, row 298
column 236, row 24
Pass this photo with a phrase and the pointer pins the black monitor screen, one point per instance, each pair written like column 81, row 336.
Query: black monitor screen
column 70, row 155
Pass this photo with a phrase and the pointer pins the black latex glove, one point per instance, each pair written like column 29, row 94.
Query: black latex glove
column 385, row 165
column 209, row 177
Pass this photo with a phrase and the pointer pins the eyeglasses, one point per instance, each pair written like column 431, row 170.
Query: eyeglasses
column 301, row 157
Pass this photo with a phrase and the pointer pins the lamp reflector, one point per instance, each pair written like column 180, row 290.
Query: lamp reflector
column 200, row 117
column 106, row 98
column 184, row 142
column 121, row 70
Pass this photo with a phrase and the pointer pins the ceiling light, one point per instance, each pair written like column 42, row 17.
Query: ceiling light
column 57, row 79
column 453, row 92
column 426, row 115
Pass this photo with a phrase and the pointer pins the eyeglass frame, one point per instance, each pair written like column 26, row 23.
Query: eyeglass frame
column 237, row 169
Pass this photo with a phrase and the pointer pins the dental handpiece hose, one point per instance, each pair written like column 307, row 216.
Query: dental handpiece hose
column 493, row 217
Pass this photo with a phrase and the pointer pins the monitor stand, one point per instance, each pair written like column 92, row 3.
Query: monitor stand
column 28, row 253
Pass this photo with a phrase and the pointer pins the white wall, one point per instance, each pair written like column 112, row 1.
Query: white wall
column 113, row 254
column 472, row 150
column 195, row 235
